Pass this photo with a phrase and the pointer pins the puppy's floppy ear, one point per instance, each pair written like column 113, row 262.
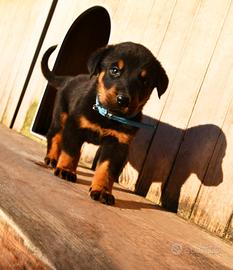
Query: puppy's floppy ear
column 161, row 82
column 94, row 61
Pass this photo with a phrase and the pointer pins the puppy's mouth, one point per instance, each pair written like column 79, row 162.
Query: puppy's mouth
column 121, row 112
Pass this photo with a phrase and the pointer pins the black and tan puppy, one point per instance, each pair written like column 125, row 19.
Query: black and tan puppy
column 120, row 82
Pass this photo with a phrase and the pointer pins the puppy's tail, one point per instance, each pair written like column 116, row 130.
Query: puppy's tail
column 53, row 79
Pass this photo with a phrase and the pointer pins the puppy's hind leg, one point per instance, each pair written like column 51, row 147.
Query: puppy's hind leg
column 69, row 152
column 54, row 139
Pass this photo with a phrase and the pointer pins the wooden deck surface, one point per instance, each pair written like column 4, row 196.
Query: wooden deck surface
column 65, row 229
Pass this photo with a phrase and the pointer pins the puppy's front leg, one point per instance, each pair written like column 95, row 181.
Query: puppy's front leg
column 112, row 159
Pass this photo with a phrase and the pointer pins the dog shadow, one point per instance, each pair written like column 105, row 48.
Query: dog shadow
column 172, row 165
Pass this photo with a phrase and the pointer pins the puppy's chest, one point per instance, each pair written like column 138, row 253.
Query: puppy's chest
column 95, row 133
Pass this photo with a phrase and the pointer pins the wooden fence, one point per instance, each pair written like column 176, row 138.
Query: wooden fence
column 186, row 163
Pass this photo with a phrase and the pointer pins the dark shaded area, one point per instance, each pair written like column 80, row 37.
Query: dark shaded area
column 89, row 31
column 185, row 152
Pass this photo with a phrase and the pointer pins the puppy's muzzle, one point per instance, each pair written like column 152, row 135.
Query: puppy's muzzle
column 123, row 101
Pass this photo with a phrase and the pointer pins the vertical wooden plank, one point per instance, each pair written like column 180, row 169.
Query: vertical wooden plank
column 173, row 41
column 7, row 10
column 172, row 48
column 201, row 137
column 214, row 205
column 20, row 32
column 183, row 93
column 65, row 14
column 155, row 31
column 129, row 20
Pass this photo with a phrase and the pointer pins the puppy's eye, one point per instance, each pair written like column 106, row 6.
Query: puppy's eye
column 114, row 72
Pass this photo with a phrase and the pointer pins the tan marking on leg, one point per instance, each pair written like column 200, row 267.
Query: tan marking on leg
column 101, row 178
column 55, row 148
column 120, row 136
column 68, row 162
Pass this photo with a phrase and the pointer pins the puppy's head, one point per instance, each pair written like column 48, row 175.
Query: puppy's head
column 126, row 74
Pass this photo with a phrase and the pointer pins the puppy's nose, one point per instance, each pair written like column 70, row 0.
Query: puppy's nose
column 123, row 101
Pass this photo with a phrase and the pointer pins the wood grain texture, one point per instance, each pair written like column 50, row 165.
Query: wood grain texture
column 211, row 107
column 129, row 21
column 183, row 93
column 14, row 255
column 170, row 54
column 154, row 32
column 59, row 220
column 65, row 14
column 21, row 26
column 213, row 208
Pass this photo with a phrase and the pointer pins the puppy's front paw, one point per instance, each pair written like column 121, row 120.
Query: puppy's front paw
column 103, row 196
column 66, row 175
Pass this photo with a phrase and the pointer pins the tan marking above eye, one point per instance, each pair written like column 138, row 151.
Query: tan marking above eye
column 121, row 64
column 143, row 73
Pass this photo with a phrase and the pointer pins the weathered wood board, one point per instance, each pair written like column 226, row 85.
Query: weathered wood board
column 158, row 27
column 181, row 101
column 170, row 54
column 213, row 207
column 64, row 15
column 65, row 229
column 211, row 107
column 22, row 23
column 14, row 254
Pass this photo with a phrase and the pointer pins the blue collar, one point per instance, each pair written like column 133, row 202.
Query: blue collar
column 104, row 112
